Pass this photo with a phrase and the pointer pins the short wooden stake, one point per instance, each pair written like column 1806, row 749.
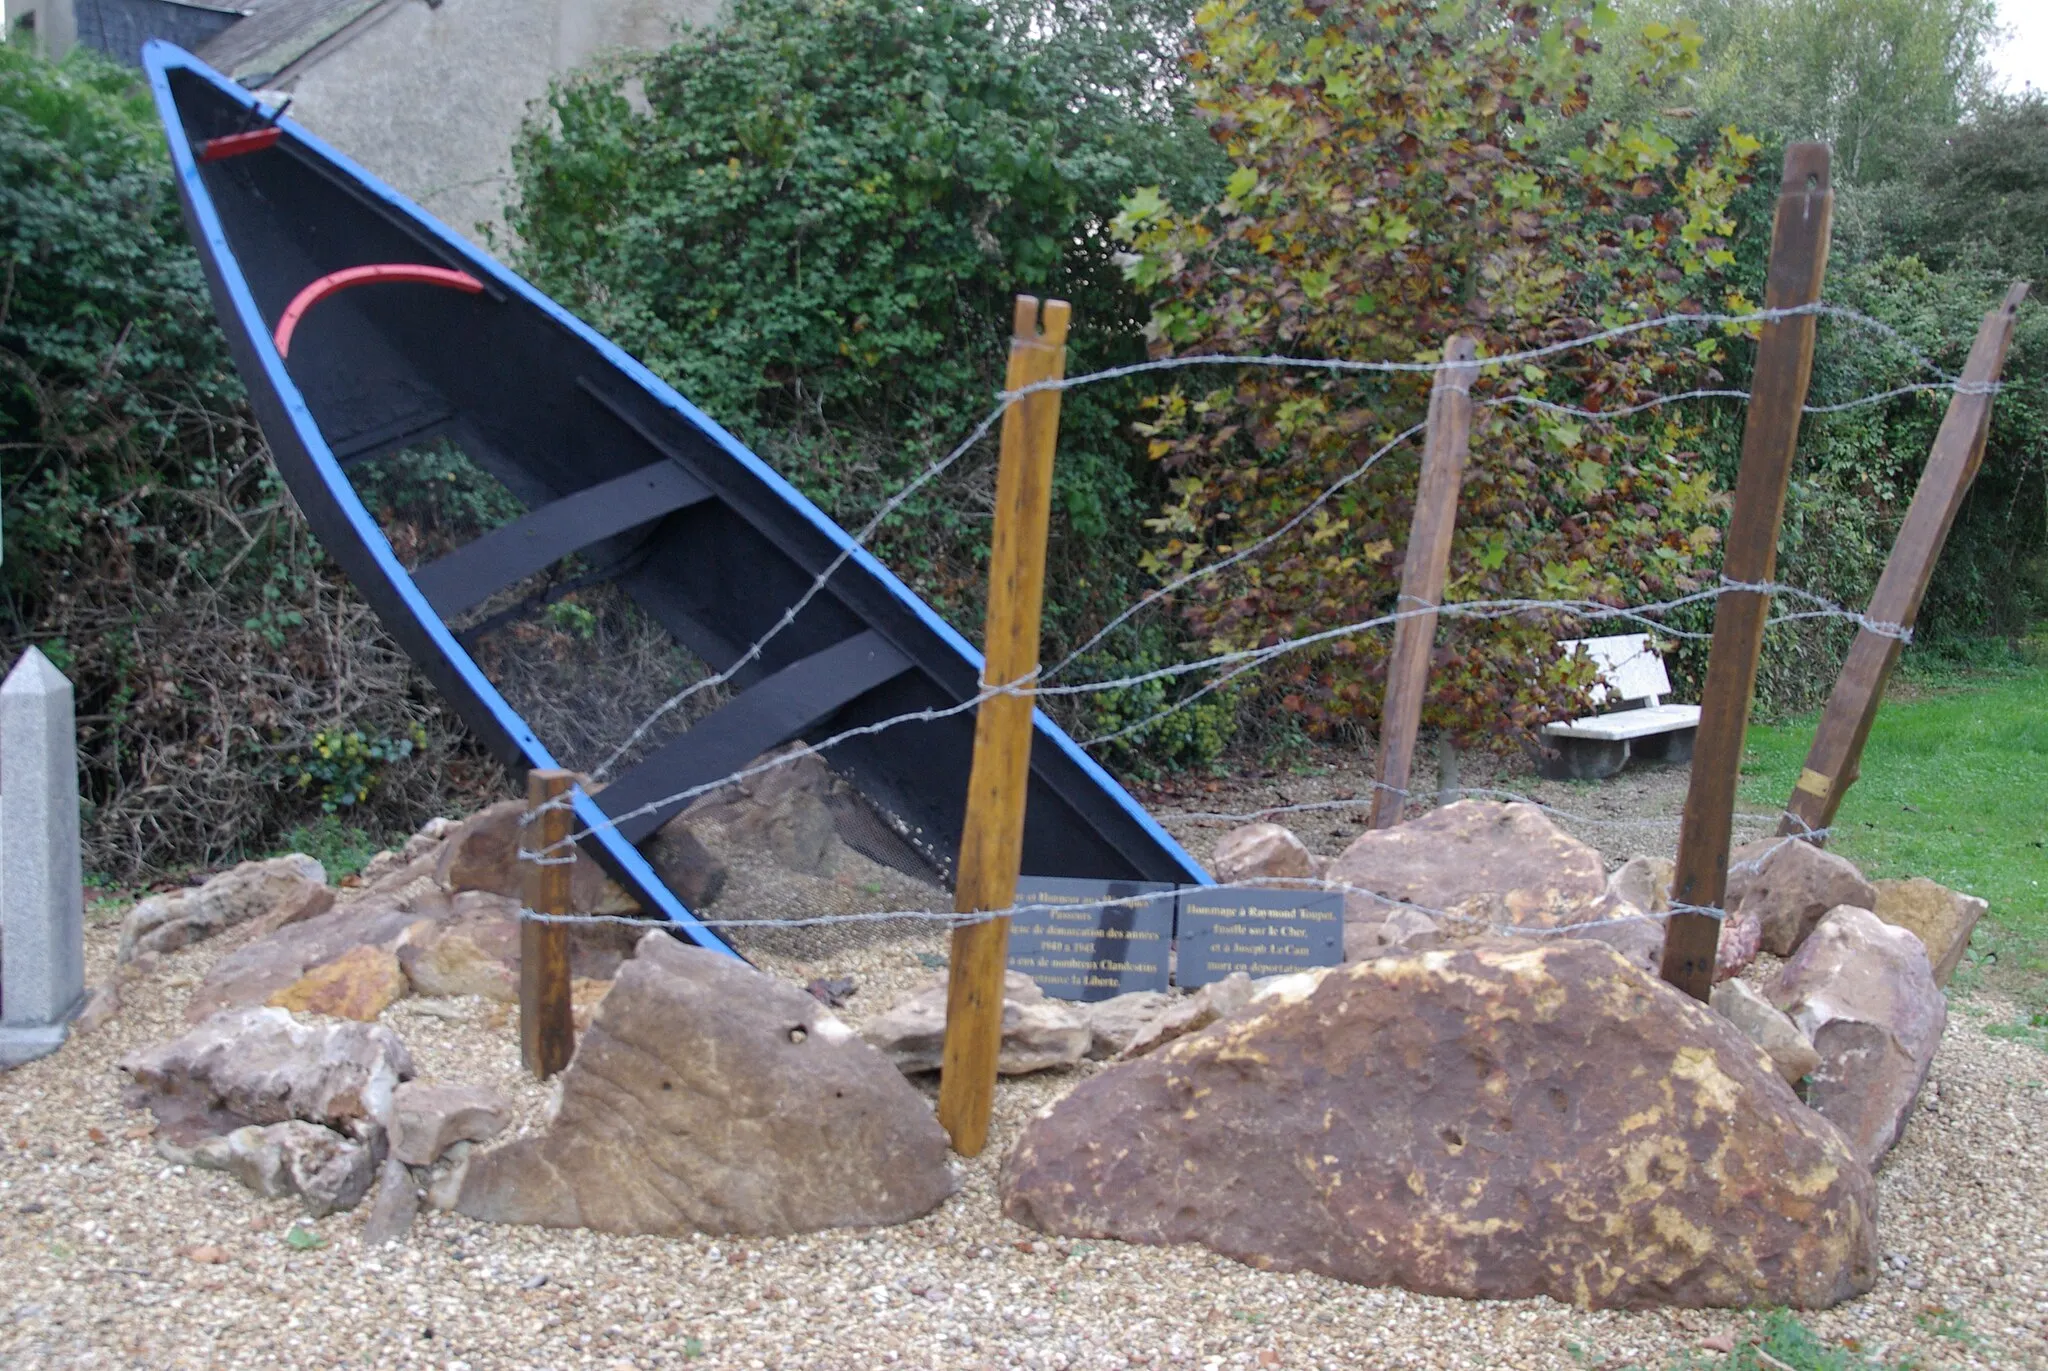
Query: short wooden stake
column 1424, row 568
column 992, row 838
column 1770, row 435
column 547, row 1033
column 1837, row 751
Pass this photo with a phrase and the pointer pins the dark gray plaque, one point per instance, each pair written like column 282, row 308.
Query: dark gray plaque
column 1257, row 931
column 1083, row 949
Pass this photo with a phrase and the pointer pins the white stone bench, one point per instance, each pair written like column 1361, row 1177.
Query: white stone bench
column 1642, row 726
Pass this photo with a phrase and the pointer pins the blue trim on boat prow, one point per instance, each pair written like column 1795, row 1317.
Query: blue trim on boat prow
column 160, row 59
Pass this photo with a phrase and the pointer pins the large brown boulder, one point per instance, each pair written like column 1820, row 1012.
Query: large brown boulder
column 1486, row 862
column 294, row 885
column 1864, row 995
column 262, row 1066
column 1941, row 918
column 708, row 1097
column 1496, row 1121
column 1787, row 885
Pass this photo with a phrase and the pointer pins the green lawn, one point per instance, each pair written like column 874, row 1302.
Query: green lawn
column 1954, row 787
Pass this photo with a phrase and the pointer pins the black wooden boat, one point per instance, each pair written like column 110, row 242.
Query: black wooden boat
column 362, row 328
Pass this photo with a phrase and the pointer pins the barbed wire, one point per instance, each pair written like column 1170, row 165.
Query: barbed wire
column 859, row 540
column 1248, row 658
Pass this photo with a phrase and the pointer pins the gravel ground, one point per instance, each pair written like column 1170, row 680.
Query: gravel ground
column 105, row 1260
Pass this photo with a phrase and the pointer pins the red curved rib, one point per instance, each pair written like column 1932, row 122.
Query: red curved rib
column 355, row 276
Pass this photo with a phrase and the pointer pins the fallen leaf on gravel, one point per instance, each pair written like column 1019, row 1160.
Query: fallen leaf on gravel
column 303, row 1239
column 1269, row 1358
column 1720, row 1342
column 140, row 1131
column 34, row 1207
column 96, row 1135
column 206, row 1254
column 693, row 1348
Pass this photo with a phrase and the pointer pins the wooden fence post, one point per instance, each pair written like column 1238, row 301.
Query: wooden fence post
column 547, row 1033
column 992, row 837
column 1424, row 567
column 1770, row 435
column 1837, row 751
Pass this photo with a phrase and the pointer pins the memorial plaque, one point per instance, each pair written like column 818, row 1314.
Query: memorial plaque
column 1084, row 949
column 1258, row 931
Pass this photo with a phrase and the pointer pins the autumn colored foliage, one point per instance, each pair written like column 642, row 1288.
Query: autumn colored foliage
column 1405, row 171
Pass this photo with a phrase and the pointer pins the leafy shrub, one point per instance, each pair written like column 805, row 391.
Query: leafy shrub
column 1394, row 186
column 151, row 547
column 813, row 219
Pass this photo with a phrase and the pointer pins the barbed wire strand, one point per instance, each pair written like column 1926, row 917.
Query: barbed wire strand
column 1005, row 399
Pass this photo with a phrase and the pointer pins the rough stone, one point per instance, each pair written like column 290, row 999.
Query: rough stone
column 441, row 1183
column 1766, row 1026
column 256, row 971
column 397, row 1202
column 165, row 923
column 1038, row 1033
column 709, row 1097
column 1192, row 1013
column 684, row 864
column 1941, row 918
column 328, row 1172
column 1258, row 851
column 475, row 950
column 1494, row 1121
column 482, row 853
column 428, row 1119
column 262, row 1066
column 360, row 984
column 1645, row 882
column 1403, row 930
column 1491, row 863
column 1114, row 1022
column 1638, row 938
column 1741, row 937
column 781, row 813
column 1788, row 885
column 1863, row 993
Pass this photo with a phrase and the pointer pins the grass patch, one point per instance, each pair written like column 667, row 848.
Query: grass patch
column 340, row 847
column 1954, row 786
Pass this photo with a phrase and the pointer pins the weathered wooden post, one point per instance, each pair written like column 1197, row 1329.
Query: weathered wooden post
column 1424, row 568
column 992, row 839
column 42, row 890
column 1770, row 435
column 547, row 1033
column 1832, row 762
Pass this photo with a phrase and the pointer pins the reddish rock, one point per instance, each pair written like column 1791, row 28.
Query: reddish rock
column 1645, row 882
column 708, row 1097
column 1486, row 862
column 426, row 1120
column 1863, row 993
column 1941, row 918
column 253, row 973
column 261, row 1066
column 1787, row 885
column 482, row 853
column 294, row 884
column 1038, row 1033
column 475, row 950
column 1496, row 1121
column 1741, row 936
column 1260, row 850
column 360, row 984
